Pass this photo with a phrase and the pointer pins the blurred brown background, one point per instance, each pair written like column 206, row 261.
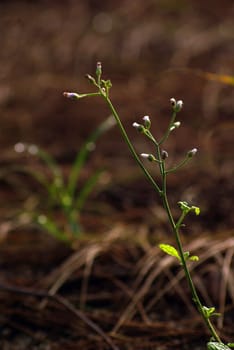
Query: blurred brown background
column 151, row 51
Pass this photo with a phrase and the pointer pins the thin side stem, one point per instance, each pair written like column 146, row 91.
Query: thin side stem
column 130, row 146
column 183, row 162
column 167, row 133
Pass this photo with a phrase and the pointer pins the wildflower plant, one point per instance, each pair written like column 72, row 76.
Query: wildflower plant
column 63, row 193
column 159, row 157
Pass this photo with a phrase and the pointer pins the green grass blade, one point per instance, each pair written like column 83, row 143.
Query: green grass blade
column 50, row 226
column 84, row 152
column 55, row 185
column 51, row 163
column 86, row 190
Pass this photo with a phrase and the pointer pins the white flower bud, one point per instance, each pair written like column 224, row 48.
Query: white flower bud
column 192, row 152
column 145, row 155
column 148, row 156
column 174, row 126
column 71, row 95
column 147, row 121
column 99, row 68
column 137, row 126
column 164, row 154
column 173, row 102
column 179, row 105
column 146, row 118
column 177, row 124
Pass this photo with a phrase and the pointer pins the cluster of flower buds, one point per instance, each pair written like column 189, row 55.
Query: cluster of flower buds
column 141, row 127
column 176, row 105
column 152, row 158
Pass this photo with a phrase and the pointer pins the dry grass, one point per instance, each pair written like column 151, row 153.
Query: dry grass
column 136, row 295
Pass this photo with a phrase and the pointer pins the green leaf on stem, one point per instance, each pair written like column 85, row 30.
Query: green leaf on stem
column 196, row 210
column 107, row 83
column 186, row 208
column 170, row 250
column 208, row 311
column 217, row 346
column 194, row 258
column 191, row 258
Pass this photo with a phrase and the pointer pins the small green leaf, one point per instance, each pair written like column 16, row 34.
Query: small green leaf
column 217, row 346
column 208, row 311
column 194, row 258
column 186, row 255
column 170, row 250
column 196, row 210
column 231, row 345
column 108, row 84
column 184, row 206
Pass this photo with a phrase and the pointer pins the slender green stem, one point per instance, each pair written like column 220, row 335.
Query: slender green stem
column 167, row 133
column 195, row 296
column 183, row 162
column 181, row 219
column 175, row 228
column 90, row 94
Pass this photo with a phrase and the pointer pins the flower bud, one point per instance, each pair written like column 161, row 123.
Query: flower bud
column 179, row 105
column 174, row 126
column 90, row 79
column 192, row 152
column 99, row 69
column 150, row 157
column 177, row 124
column 164, row 154
column 139, row 127
column 173, row 102
column 147, row 121
column 71, row 95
